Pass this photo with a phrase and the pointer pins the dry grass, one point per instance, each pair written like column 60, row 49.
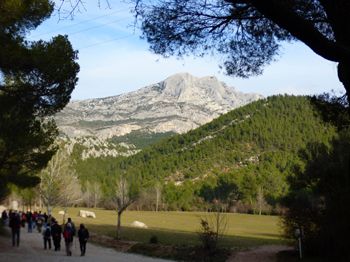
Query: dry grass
column 179, row 228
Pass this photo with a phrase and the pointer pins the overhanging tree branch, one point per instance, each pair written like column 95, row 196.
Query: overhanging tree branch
column 282, row 13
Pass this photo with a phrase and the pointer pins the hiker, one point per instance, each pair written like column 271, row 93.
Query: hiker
column 23, row 221
column 47, row 236
column 68, row 234
column 4, row 217
column 15, row 225
column 29, row 217
column 35, row 215
column 83, row 234
column 56, row 231
column 72, row 224
column 45, row 220
column 39, row 221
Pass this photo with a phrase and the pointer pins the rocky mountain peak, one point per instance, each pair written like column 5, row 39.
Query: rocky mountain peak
column 179, row 103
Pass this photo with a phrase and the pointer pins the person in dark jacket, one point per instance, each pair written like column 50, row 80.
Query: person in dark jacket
column 72, row 224
column 83, row 235
column 15, row 225
column 30, row 217
column 47, row 237
column 56, row 231
column 45, row 219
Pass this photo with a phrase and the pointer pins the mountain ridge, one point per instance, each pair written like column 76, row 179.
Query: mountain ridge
column 179, row 103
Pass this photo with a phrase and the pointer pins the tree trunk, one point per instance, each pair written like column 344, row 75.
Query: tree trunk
column 88, row 193
column 64, row 216
column 48, row 209
column 118, row 227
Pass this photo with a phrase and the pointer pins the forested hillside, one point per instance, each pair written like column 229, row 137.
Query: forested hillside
column 247, row 152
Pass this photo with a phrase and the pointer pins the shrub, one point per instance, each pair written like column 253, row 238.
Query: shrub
column 185, row 208
column 109, row 205
column 207, row 236
column 153, row 239
column 173, row 207
column 212, row 229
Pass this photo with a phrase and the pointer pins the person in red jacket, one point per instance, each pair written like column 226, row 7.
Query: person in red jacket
column 35, row 215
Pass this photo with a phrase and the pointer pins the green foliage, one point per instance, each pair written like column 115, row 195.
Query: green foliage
column 25, row 144
column 37, row 79
column 141, row 139
column 324, row 176
column 229, row 158
column 333, row 109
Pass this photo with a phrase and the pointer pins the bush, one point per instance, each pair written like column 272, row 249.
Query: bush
column 110, row 205
column 153, row 240
column 185, row 208
column 212, row 229
column 173, row 207
column 207, row 236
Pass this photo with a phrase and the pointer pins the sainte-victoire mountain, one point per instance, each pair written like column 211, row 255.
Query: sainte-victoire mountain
column 178, row 104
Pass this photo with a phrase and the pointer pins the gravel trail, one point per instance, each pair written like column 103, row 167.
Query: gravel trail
column 31, row 249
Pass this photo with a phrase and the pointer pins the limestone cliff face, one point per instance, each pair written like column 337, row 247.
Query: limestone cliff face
column 180, row 103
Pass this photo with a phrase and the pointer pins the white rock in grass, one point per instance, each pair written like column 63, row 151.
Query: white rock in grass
column 83, row 213
column 138, row 224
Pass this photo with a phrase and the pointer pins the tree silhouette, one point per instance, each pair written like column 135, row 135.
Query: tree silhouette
column 247, row 34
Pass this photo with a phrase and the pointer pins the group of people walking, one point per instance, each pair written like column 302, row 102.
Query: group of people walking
column 51, row 230
column 32, row 219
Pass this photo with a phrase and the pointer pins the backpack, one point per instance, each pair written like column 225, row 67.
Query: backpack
column 65, row 234
column 47, row 233
column 39, row 220
column 83, row 234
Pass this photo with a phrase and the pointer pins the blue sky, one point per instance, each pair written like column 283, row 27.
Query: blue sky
column 114, row 60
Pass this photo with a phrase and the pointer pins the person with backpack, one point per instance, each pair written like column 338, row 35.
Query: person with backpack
column 68, row 234
column 56, row 231
column 47, row 237
column 15, row 225
column 40, row 221
column 72, row 224
column 83, row 234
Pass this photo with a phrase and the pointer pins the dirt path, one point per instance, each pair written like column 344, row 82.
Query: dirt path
column 31, row 249
column 260, row 254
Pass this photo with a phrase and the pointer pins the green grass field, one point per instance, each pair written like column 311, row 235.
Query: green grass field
column 179, row 228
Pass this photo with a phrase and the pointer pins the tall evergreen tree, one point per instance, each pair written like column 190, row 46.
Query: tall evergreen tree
column 37, row 79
